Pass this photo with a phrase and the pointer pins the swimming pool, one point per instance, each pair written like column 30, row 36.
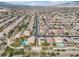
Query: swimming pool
column 60, row 44
column 24, row 42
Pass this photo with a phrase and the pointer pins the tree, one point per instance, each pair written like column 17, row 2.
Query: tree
column 54, row 44
column 58, row 53
column 77, row 55
column 45, row 43
column 67, row 33
column 65, row 40
column 42, row 53
column 58, row 50
column 53, row 54
column 44, row 47
column 48, row 53
column 10, row 33
column 63, row 50
column 11, row 54
column 71, row 55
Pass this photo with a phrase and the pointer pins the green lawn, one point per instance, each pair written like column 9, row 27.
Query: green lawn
column 7, row 51
column 19, row 52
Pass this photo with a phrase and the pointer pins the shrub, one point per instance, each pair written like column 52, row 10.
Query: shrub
column 44, row 48
column 53, row 54
column 42, row 53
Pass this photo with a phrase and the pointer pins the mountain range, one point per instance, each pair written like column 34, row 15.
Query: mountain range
column 64, row 4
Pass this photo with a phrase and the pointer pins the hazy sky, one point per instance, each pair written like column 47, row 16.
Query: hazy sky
column 43, row 3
